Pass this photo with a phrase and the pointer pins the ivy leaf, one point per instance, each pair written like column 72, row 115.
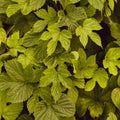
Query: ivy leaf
column 86, row 31
column 98, row 4
column 111, row 60
column 56, row 35
column 100, row 76
column 116, row 100
column 62, row 108
column 2, row 36
column 27, row 58
column 49, row 17
column 71, row 17
column 111, row 116
column 56, row 78
column 85, row 67
column 15, row 44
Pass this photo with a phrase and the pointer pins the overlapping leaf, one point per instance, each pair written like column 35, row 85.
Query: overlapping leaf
column 54, row 35
column 56, row 78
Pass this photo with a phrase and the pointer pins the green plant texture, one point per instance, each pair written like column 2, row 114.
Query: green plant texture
column 59, row 60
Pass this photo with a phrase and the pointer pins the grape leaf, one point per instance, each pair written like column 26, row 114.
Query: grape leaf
column 56, row 35
column 112, row 61
column 56, row 78
column 100, row 76
column 87, row 31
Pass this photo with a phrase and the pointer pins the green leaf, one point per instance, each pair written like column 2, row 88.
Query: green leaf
column 82, row 106
column 111, row 60
column 25, row 117
column 95, row 38
column 65, row 3
column 115, row 30
column 73, row 94
column 88, row 26
column 111, row 4
column 30, row 5
column 95, row 109
column 31, row 39
column 12, row 111
column 27, row 58
column 116, row 100
column 100, row 76
column 18, row 81
column 83, row 35
column 90, row 85
column 40, row 51
column 52, row 44
column 90, row 11
column 56, row 35
column 98, row 4
column 12, row 41
column 44, row 93
column 56, row 78
column 39, row 26
column 12, row 9
column 91, row 24
column 32, row 103
column 111, row 116
column 62, row 108
column 71, row 17
column 3, row 5
column 19, row 92
column 49, row 17
column 65, row 37
column 2, row 36
column 86, row 68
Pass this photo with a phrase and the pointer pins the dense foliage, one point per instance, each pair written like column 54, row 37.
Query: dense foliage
column 59, row 60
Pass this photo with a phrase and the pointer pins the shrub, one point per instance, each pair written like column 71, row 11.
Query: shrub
column 59, row 60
